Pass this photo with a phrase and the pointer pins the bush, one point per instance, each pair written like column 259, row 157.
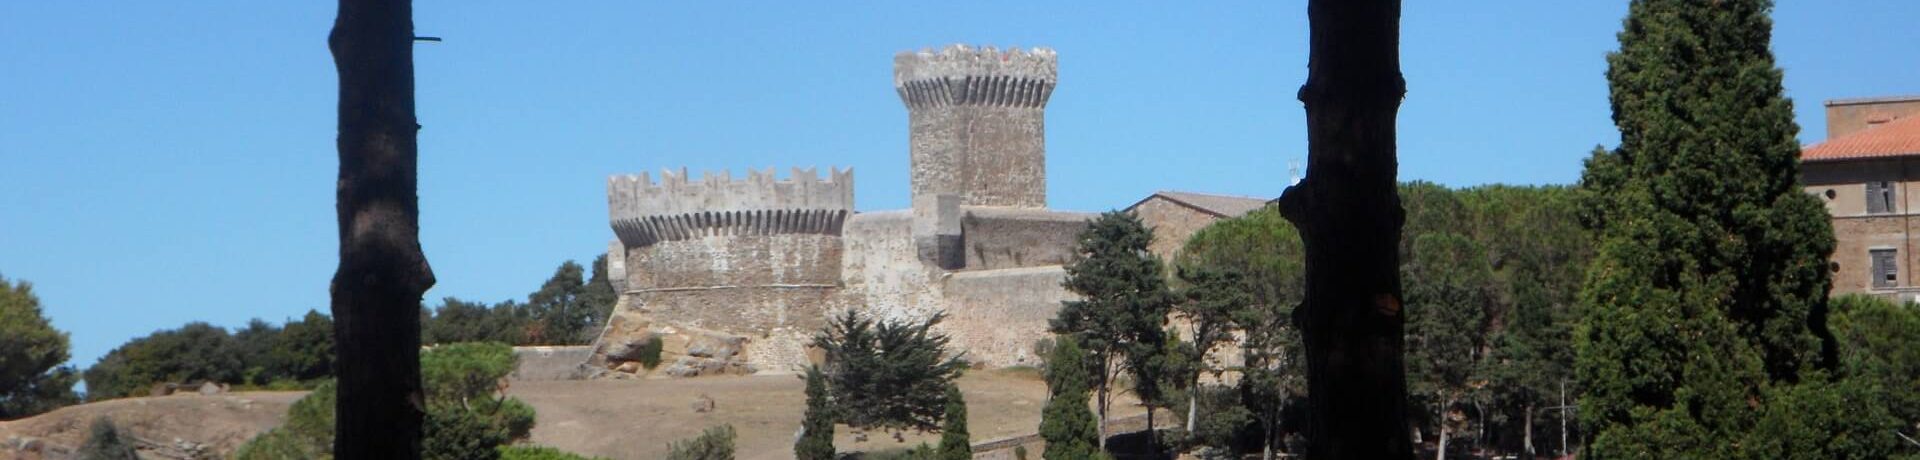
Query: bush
column 539, row 453
column 649, row 355
column 460, row 435
column 106, row 442
column 816, row 426
column 714, row 444
column 307, row 434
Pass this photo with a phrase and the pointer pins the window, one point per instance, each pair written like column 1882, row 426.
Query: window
column 1880, row 197
column 1885, row 273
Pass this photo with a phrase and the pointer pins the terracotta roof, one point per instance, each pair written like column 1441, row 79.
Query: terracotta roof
column 1897, row 138
column 1218, row 205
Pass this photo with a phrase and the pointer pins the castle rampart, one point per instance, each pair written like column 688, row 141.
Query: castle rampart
column 644, row 213
column 977, row 120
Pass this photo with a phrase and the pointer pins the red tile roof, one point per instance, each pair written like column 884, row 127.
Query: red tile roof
column 1897, row 138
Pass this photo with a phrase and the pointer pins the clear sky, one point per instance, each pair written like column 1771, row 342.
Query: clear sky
column 166, row 162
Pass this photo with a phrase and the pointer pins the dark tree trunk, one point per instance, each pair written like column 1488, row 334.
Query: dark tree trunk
column 382, row 273
column 1349, row 216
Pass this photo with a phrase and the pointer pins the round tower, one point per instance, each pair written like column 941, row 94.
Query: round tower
column 978, row 122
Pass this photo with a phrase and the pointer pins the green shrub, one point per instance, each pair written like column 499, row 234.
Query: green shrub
column 460, row 435
column 650, row 352
column 460, row 372
column 106, row 442
column 539, row 453
column 713, row 444
column 307, row 434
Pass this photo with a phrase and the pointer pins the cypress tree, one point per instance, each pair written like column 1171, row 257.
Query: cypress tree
column 1065, row 423
column 954, row 442
column 816, row 435
column 1709, row 284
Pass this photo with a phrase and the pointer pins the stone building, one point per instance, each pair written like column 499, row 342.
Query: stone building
column 1176, row 216
column 1866, row 172
column 735, row 275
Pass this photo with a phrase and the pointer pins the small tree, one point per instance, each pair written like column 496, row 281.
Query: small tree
column 561, row 308
column 31, row 350
column 1449, row 291
column 713, row 444
column 1122, row 309
column 954, row 442
column 106, row 442
column 816, row 429
column 1212, row 297
column 889, row 375
column 1066, row 424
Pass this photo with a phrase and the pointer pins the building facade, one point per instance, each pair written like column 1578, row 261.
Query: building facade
column 1867, row 172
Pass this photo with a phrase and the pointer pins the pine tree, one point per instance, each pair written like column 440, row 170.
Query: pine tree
column 1450, row 293
column 1123, row 307
column 1066, row 424
column 954, row 442
column 1709, row 284
column 816, row 430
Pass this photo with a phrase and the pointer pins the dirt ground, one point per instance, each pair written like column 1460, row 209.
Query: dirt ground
column 620, row 419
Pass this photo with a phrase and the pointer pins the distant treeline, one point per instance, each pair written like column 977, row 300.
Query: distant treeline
column 566, row 310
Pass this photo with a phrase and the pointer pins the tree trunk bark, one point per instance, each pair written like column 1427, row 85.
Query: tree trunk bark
column 1193, row 403
column 1441, row 453
column 1348, row 212
column 1527, row 439
column 1106, row 385
column 382, row 272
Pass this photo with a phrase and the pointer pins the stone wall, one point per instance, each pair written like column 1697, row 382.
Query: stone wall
column 736, row 261
column 977, row 122
column 881, row 270
column 999, row 238
column 550, row 363
column 998, row 315
column 1172, row 223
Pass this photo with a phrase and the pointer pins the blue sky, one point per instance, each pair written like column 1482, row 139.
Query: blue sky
column 166, row 162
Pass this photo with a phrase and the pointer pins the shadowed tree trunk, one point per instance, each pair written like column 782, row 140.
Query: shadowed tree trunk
column 382, row 273
column 1349, row 216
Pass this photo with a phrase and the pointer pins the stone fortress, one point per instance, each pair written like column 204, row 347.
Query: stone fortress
column 736, row 275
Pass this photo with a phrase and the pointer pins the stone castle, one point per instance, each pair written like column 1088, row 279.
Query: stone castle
column 736, row 275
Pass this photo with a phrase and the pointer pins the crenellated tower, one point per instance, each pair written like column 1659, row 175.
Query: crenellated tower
column 644, row 213
column 978, row 123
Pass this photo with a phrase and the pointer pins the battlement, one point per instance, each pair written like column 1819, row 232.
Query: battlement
column 964, row 75
column 644, row 212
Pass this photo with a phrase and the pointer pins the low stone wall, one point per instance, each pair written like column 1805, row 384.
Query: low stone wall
column 551, row 363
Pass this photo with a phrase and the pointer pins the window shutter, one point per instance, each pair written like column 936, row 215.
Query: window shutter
column 1884, row 271
column 1876, row 198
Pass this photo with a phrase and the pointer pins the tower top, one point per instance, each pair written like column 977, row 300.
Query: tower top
column 964, row 75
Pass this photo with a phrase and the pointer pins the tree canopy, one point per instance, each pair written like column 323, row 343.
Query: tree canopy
column 32, row 376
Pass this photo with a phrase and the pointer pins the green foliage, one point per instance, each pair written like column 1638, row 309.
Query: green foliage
column 1879, row 343
column 1817, row 419
column 527, row 452
column 560, row 308
column 713, row 444
column 260, row 354
column 307, row 433
column 458, row 320
column 1708, row 247
column 1123, row 306
column 1066, row 424
column 193, row 353
column 32, row 379
column 455, row 434
column 888, row 374
column 816, row 429
column 106, row 442
column 1264, row 252
column 467, row 417
column 461, row 372
column 1450, row 298
column 954, row 442
column 649, row 355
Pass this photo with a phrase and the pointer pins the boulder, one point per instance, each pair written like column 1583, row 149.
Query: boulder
column 703, row 404
column 716, row 346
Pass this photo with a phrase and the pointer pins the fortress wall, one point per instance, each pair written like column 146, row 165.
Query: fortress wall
column 999, row 238
column 881, row 269
column 638, row 195
column 754, row 312
column 998, row 315
column 720, row 261
column 550, row 363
